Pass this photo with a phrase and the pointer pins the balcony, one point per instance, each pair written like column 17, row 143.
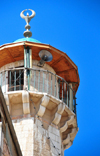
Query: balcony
column 37, row 80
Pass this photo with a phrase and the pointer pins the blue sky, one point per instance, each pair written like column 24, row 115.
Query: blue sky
column 73, row 27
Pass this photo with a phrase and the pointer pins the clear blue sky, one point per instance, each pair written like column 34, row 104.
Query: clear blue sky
column 72, row 26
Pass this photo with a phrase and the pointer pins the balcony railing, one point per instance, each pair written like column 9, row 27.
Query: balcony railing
column 39, row 81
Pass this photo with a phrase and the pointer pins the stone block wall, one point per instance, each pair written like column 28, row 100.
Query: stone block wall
column 35, row 140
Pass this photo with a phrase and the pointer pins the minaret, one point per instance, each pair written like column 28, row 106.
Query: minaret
column 39, row 83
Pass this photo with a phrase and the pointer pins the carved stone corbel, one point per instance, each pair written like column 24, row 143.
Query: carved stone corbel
column 58, row 114
column 68, row 145
column 43, row 105
column 63, row 128
column 66, row 141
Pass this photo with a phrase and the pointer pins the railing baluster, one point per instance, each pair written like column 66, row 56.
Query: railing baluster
column 5, row 81
column 9, row 80
column 59, row 88
column 62, row 90
column 28, row 59
column 14, row 80
column 51, row 84
column 72, row 99
column 28, row 75
column 67, row 95
column 38, row 80
column 47, row 80
column 75, row 106
column 1, row 80
column 55, row 87
column 43, row 81
column 34, row 78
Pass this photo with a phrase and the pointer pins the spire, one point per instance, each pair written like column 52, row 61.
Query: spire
column 27, row 18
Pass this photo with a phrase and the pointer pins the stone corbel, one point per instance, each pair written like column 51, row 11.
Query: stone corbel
column 68, row 145
column 56, row 119
column 70, row 120
column 43, row 105
column 58, row 114
column 67, row 140
column 26, row 104
column 73, row 132
column 63, row 128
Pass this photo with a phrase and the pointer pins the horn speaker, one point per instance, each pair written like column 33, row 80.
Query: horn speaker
column 45, row 56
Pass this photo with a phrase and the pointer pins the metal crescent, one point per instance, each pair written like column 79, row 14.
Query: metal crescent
column 22, row 14
column 33, row 13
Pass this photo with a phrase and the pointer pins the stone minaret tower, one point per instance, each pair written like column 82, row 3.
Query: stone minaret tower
column 39, row 83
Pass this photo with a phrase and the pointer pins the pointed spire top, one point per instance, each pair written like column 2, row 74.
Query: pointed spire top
column 27, row 18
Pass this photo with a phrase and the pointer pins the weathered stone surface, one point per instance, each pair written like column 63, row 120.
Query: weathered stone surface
column 34, row 140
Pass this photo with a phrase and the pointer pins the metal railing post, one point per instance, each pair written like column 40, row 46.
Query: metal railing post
column 55, row 86
column 58, row 88
column 67, row 95
column 38, row 80
column 5, row 80
column 10, row 80
column 25, row 79
column 28, row 78
column 34, row 78
column 43, row 81
column 14, row 80
column 62, row 90
column 51, row 84
column 47, row 80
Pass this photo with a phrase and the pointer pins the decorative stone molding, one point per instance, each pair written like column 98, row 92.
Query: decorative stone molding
column 56, row 119
column 68, row 145
column 26, row 104
column 41, row 111
column 71, row 118
column 63, row 128
column 73, row 132
column 43, row 105
column 61, row 108
column 66, row 141
column 58, row 114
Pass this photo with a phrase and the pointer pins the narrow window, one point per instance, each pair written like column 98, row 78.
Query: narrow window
column 15, row 79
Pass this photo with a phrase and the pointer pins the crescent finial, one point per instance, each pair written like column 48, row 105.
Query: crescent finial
column 27, row 18
column 22, row 14
column 33, row 13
